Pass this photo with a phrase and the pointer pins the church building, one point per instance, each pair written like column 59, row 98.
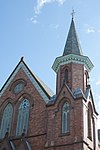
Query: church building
column 32, row 117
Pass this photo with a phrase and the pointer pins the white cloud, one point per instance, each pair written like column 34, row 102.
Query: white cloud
column 39, row 6
column 41, row 3
column 61, row 2
column 33, row 20
column 90, row 30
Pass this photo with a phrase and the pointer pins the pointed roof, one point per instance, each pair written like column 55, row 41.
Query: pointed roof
column 42, row 88
column 72, row 45
column 72, row 52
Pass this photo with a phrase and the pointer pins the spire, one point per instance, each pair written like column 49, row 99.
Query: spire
column 72, row 45
column 72, row 51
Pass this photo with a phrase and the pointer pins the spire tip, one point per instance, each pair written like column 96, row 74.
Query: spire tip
column 73, row 13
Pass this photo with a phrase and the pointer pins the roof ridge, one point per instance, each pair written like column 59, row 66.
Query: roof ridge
column 43, row 90
column 47, row 89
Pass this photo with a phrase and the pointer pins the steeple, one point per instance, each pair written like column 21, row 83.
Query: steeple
column 72, row 67
column 72, row 45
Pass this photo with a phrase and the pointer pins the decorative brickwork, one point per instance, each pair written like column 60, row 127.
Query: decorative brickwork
column 43, row 121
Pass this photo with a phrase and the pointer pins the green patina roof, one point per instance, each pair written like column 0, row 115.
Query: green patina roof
column 72, row 45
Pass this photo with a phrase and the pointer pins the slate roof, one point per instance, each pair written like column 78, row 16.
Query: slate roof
column 43, row 89
column 46, row 88
column 72, row 45
column 78, row 93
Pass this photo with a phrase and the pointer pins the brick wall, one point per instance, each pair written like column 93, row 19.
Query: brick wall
column 75, row 76
column 44, row 131
column 38, row 115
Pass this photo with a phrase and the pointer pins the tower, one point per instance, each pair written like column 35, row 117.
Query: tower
column 72, row 67
column 72, row 71
column 33, row 118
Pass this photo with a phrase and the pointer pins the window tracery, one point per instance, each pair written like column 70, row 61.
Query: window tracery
column 19, row 87
column 65, row 118
column 23, row 117
column 6, row 120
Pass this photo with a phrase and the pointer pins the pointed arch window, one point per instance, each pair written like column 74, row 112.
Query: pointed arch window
column 90, row 121
column 6, row 120
column 23, row 117
column 66, row 75
column 87, row 78
column 65, row 118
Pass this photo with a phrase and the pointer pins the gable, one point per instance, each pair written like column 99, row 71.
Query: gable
column 45, row 92
column 65, row 92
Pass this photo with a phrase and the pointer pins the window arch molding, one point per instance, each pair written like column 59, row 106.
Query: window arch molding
column 3, row 106
column 22, row 96
column 66, row 67
column 23, row 113
column 16, row 82
column 62, row 101
column 66, row 72
column 6, row 118
column 65, row 120
column 5, row 102
column 66, row 75
column 60, row 107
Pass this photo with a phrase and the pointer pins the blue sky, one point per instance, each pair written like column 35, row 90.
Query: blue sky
column 37, row 30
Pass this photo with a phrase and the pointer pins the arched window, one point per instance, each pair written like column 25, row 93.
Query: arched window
column 86, row 78
column 6, row 120
column 66, row 75
column 90, row 125
column 65, row 118
column 23, row 117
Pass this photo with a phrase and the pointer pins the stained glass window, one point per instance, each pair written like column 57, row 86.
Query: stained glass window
column 6, row 120
column 19, row 87
column 65, row 118
column 23, row 117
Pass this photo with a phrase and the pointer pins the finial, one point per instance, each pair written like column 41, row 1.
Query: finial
column 73, row 13
column 22, row 58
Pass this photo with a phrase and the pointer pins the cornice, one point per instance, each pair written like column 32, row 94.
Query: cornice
column 72, row 58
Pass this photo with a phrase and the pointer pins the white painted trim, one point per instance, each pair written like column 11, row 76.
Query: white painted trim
column 34, row 82
column 72, row 58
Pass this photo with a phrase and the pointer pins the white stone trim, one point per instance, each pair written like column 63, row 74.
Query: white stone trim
column 32, row 79
column 72, row 58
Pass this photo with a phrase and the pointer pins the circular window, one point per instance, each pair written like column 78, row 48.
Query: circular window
column 19, row 87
